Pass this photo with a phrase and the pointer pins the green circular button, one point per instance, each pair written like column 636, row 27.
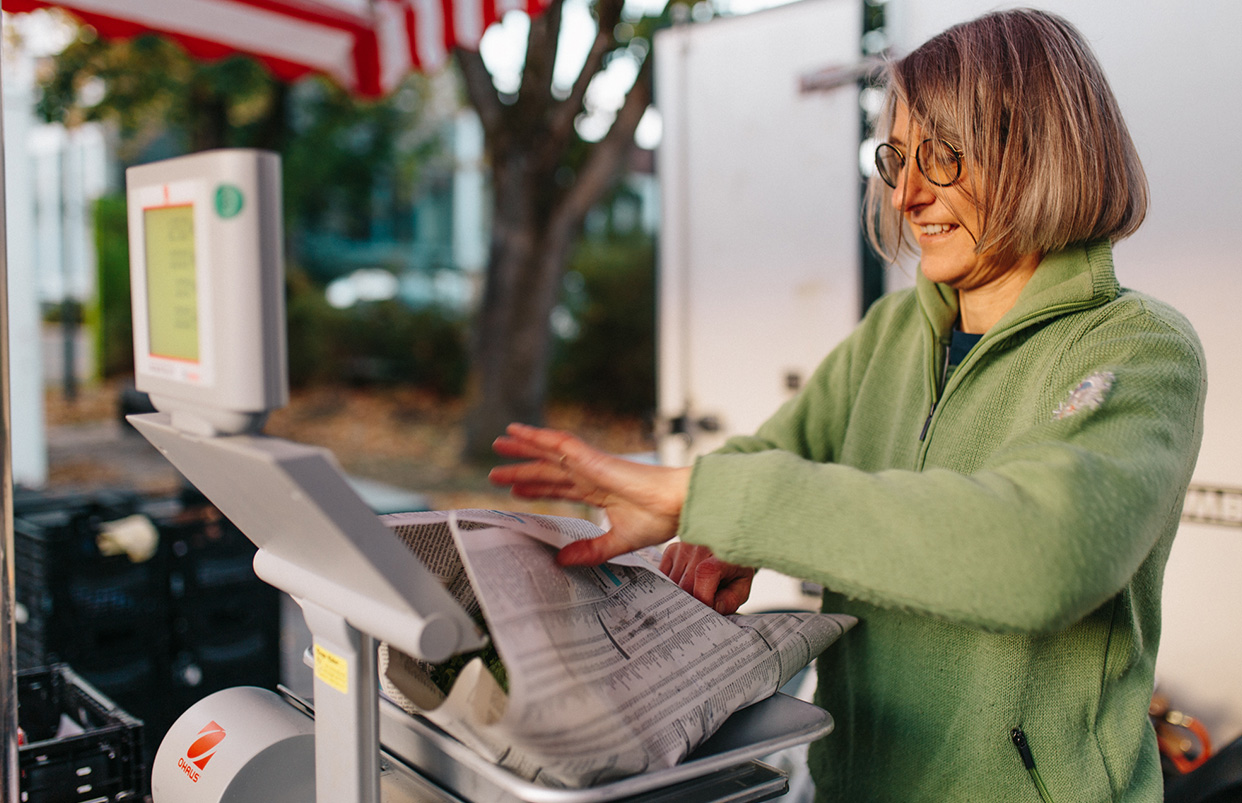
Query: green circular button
column 229, row 201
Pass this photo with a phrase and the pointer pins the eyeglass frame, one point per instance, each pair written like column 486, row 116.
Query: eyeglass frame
column 918, row 161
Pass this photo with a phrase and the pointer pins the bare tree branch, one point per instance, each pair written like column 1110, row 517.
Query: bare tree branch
column 542, row 44
column 481, row 91
column 561, row 120
column 607, row 157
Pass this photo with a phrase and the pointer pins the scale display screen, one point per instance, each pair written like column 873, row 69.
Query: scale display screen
column 172, row 282
column 207, row 286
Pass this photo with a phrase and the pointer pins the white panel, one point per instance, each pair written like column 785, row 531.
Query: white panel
column 1200, row 663
column 28, row 441
column 759, row 255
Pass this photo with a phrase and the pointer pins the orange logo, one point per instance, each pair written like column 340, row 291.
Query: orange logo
column 204, row 746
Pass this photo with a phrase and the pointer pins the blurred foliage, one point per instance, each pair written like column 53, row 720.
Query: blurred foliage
column 343, row 157
column 151, row 90
column 352, row 168
column 610, row 362
column 373, row 342
column 607, row 362
column 116, row 342
column 349, row 166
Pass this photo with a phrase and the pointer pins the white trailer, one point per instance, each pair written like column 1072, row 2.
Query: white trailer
column 759, row 248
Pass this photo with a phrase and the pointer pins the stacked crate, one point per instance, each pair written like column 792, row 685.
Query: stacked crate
column 155, row 635
column 76, row 744
column 106, row 616
column 225, row 622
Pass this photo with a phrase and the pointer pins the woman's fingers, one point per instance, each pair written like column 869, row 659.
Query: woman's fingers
column 643, row 502
column 535, row 471
column 732, row 596
column 722, row 585
column 681, row 558
column 593, row 551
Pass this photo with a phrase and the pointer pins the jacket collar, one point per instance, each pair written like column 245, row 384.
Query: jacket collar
column 1077, row 277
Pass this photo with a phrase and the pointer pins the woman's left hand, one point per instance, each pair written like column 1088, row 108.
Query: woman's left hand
column 643, row 502
column 719, row 584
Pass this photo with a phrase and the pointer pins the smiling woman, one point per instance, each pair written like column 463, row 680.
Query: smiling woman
column 986, row 472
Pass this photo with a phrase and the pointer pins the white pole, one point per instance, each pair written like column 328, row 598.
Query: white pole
column 9, row 774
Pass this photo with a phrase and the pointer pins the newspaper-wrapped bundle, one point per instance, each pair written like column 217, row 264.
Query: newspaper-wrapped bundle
column 612, row 670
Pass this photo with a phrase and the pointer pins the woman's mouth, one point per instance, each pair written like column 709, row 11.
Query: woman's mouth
column 933, row 229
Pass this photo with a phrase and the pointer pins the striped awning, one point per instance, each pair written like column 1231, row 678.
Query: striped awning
column 366, row 45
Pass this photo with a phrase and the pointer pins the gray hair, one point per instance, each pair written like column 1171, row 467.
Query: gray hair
column 1048, row 158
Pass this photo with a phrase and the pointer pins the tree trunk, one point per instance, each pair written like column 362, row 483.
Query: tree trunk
column 512, row 340
column 535, row 219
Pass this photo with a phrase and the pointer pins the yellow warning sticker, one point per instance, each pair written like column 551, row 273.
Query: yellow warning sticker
column 332, row 669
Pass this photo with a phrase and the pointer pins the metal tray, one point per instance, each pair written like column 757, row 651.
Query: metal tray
column 774, row 724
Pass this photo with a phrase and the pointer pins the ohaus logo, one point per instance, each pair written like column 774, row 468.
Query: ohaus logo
column 200, row 752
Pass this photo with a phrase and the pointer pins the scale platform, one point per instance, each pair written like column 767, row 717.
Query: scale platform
column 724, row 768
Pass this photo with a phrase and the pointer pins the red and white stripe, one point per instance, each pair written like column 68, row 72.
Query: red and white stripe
column 366, row 45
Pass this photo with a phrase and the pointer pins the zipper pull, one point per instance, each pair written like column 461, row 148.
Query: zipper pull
column 927, row 423
column 1024, row 750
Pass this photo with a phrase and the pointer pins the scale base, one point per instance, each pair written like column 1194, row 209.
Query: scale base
column 270, row 759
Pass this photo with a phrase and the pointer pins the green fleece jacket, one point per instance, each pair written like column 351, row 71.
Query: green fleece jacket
column 1001, row 538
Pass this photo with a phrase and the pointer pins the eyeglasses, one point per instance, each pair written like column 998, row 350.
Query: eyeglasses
column 938, row 161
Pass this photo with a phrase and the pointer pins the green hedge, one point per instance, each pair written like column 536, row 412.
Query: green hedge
column 610, row 364
column 115, row 343
column 373, row 342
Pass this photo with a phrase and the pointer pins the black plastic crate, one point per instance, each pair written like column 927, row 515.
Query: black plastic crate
column 232, row 639
column 198, row 672
column 198, row 524
column 106, row 504
column 130, row 678
column 222, row 614
column 97, row 758
column 75, row 602
column 227, row 616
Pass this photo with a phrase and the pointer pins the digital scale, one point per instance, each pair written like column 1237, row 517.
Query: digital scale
column 208, row 293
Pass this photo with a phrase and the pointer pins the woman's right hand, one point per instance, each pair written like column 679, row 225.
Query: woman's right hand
column 643, row 502
column 721, row 585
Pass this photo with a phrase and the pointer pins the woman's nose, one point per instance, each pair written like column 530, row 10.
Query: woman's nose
column 911, row 189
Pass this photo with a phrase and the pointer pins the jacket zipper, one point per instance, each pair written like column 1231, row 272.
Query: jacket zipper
column 1024, row 750
column 944, row 377
column 1016, row 326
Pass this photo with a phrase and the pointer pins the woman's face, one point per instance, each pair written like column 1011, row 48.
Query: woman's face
column 943, row 220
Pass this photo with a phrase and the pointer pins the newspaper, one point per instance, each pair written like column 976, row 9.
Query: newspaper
column 613, row 670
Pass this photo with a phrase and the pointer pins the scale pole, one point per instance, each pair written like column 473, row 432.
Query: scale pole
column 9, row 774
column 347, row 742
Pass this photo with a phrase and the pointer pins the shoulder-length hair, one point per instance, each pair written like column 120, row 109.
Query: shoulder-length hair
column 1048, row 158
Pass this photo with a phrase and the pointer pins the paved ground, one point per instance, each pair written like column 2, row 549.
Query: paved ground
column 107, row 453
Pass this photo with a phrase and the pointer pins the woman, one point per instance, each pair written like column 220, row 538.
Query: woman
column 988, row 472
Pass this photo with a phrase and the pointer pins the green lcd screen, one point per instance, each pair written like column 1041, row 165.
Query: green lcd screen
column 172, row 284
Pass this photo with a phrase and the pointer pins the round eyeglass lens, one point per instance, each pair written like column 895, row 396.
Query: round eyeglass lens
column 888, row 161
column 939, row 161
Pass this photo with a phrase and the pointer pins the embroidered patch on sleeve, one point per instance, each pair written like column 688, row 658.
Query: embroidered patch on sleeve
column 1089, row 395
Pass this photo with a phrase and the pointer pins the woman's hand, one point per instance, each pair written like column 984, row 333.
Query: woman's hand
column 713, row 582
column 643, row 502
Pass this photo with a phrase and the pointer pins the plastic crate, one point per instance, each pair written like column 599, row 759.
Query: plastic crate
column 75, row 602
column 101, row 759
column 106, row 504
